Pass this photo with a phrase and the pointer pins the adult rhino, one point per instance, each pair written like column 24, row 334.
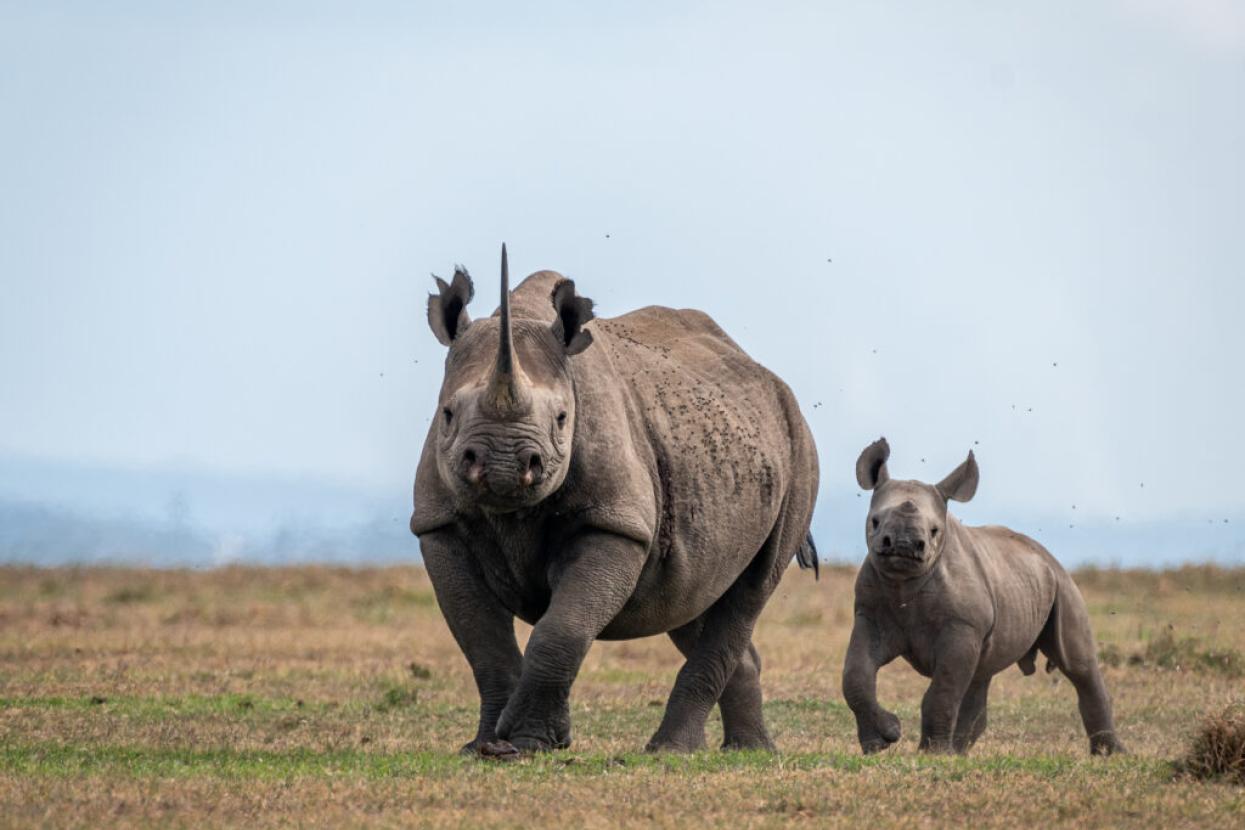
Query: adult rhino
column 606, row 478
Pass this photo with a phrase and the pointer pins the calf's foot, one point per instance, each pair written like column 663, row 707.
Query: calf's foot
column 937, row 746
column 879, row 735
column 1105, row 743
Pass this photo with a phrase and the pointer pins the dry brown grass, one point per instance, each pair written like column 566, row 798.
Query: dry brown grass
column 327, row 696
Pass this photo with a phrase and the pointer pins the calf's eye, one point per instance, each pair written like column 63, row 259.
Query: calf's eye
column 449, row 416
column 875, row 522
column 561, row 419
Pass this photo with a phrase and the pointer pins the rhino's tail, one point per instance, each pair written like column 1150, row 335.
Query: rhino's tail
column 806, row 556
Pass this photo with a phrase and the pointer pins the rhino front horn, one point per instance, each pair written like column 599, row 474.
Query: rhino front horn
column 508, row 393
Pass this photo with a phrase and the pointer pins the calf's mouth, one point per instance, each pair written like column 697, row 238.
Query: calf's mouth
column 906, row 550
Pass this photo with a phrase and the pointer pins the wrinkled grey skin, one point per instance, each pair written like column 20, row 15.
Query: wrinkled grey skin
column 606, row 478
column 960, row 604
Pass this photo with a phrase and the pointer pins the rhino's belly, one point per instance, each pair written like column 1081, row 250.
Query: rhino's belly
column 656, row 609
column 1015, row 631
column 677, row 588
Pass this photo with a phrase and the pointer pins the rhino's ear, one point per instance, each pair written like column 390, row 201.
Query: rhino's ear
column 447, row 310
column 871, row 466
column 961, row 485
column 573, row 312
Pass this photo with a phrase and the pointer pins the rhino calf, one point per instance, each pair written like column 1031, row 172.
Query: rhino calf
column 960, row 604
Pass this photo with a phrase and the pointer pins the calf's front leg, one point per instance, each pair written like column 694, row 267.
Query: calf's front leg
column 599, row 576
column 875, row 727
column 956, row 652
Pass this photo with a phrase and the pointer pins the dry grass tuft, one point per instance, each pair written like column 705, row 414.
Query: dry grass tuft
column 1218, row 750
column 1167, row 651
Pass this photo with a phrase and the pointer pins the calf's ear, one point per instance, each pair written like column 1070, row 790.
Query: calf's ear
column 962, row 483
column 871, row 466
column 574, row 312
column 447, row 309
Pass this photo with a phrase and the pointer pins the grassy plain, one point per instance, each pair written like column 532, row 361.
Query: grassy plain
column 325, row 697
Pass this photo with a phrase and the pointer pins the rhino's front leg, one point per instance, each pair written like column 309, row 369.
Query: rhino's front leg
column 956, row 652
column 876, row 728
column 598, row 577
column 483, row 628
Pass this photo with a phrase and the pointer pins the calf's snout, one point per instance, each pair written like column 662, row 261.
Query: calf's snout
column 908, row 545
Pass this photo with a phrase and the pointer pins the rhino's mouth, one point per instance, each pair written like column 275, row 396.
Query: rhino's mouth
column 904, row 553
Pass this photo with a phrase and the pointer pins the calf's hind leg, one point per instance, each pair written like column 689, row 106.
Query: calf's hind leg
column 1069, row 643
column 743, row 722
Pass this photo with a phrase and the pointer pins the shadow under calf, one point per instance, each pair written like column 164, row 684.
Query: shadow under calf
column 960, row 604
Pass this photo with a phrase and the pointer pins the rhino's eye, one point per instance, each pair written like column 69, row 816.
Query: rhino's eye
column 448, row 415
column 875, row 522
column 933, row 533
column 561, row 419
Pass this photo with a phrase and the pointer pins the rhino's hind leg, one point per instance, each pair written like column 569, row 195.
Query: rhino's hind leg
column 723, row 645
column 710, row 666
column 743, row 723
column 743, row 720
column 971, row 721
column 1068, row 643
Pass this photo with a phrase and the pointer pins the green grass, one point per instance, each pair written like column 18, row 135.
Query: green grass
column 147, row 762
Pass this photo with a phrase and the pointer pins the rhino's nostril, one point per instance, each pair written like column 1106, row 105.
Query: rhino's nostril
column 920, row 546
column 469, row 456
column 533, row 467
column 886, row 541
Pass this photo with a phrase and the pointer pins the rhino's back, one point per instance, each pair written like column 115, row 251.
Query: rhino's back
column 704, row 401
column 720, row 438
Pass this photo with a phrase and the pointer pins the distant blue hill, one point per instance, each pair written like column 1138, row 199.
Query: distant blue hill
column 56, row 513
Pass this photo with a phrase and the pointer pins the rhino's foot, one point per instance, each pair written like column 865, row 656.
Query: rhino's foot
column 533, row 730
column 887, row 725
column 872, row 745
column 688, row 742
column 937, row 746
column 532, row 743
column 886, row 731
column 1106, row 744
column 472, row 747
column 747, row 742
column 499, row 751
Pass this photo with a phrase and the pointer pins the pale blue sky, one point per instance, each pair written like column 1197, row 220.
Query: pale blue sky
column 217, row 225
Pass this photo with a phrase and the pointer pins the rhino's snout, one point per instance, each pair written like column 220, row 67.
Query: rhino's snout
column 909, row 546
column 501, row 472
